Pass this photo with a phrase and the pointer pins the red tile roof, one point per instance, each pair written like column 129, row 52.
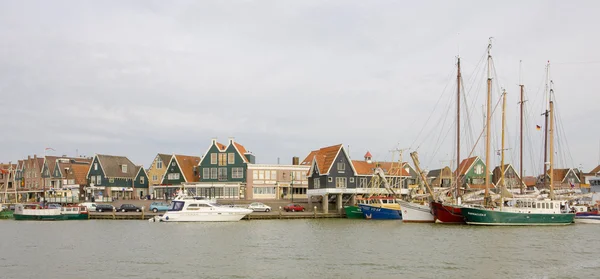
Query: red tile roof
column 389, row 168
column 325, row 157
column 596, row 170
column 465, row 165
column 79, row 172
column 221, row 146
column 242, row 151
column 368, row 155
column 187, row 164
column 309, row 158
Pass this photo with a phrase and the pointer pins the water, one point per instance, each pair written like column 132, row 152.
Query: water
column 322, row 248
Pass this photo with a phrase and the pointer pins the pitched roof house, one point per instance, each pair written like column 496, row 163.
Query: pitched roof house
column 180, row 169
column 117, row 174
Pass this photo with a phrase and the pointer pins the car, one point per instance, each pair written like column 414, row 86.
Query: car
column 128, row 207
column 293, row 207
column 259, row 206
column 53, row 205
column 104, row 207
column 91, row 206
column 159, row 206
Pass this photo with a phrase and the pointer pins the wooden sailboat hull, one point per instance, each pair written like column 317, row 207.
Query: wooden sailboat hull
column 497, row 217
column 447, row 214
column 416, row 213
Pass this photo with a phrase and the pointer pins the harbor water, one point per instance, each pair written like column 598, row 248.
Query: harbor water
column 311, row 248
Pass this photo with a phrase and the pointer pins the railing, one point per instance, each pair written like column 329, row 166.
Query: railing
column 62, row 200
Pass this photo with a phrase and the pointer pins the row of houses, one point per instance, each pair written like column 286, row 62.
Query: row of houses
column 230, row 171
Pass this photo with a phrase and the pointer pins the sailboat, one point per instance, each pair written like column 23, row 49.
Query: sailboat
column 414, row 211
column 522, row 211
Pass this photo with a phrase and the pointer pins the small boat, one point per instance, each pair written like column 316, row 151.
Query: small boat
column 381, row 208
column 186, row 208
column 415, row 212
column 588, row 216
column 37, row 212
column 353, row 212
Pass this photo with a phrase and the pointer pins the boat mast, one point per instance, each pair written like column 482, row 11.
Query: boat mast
column 415, row 158
column 551, row 147
column 521, row 134
column 487, row 126
column 458, row 76
column 502, row 185
column 545, row 114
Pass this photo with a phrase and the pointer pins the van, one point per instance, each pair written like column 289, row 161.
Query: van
column 91, row 206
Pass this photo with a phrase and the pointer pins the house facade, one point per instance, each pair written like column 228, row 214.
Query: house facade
column 33, row 187
column 7, row 182
column 564, row 178
column 115, row 177
column 269, row 181
column 440, row 178
column 223, row 171
column 472, row 172
column 156, row 172
column 512, row 180
column 179, row 169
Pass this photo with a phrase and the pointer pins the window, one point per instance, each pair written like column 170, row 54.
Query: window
column 142, row 180
column 478, row 169
column 330, row 179
column 237, row 173
column 231, row 158
column 340, row 182
column 213, row 159
column 154, row 178
column 222, row 174
column 173, row 163
column 159, row 163
column 351, row 179
column 93, row 179
column 261, row 174
column 223, row 159
column 341, row 166
column 267, row 175
column 255, row 175
column 124, row 168
column 99, row 179
column 213, row 173
column 111, row 180
column 173, row 176
column 206, row 173
column 263, row 190
column 95, row 166
column 316, row 183
column 273, row 174
column 362, row 182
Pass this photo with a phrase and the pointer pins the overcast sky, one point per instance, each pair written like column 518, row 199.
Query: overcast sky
column 137, row 78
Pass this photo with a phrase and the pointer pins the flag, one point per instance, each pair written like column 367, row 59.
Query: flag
column 538, row 127
column 572, row 185
column 49, row 148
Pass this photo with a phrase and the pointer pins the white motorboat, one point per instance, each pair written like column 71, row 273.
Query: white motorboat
column 195, row 209
column 416, row 213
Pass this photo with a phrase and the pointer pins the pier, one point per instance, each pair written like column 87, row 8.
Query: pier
column 252, row 216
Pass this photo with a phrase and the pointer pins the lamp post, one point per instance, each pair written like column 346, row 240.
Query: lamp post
column 292, row 186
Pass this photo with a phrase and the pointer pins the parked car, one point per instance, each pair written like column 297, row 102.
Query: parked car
column 128, row 207
column 91, row 206
column 259, row 206
column 293, row 207
column 104, row 207
column 54, row 205
column 159, row 206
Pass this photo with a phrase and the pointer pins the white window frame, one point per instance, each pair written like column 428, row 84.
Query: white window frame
column 206, row 173
column 231, row 158
column 341, row 182
column 341, row 166
column 316, row 182
column 213, row 158
column 95, row 166
column 141, row 180
column 159, row 163
column 213, row 173
column 124, row 168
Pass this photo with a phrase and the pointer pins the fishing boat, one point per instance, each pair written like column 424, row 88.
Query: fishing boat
column 522, row 211
column 381, row 208
column 418, row 211
column 589, row 217
column 186, row 208
column 37, row 212
column 353, row 212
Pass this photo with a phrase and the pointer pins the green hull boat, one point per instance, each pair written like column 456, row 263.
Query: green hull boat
column 6, row 214
column 353, row 212
column 497, row 217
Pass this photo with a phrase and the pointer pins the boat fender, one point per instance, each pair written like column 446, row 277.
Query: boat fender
column 167, row 218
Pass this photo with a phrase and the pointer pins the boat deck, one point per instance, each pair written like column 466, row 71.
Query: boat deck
column 252, row 216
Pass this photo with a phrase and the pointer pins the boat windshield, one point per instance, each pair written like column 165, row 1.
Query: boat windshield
column 176, row 206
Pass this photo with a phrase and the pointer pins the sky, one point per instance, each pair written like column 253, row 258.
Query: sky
column 137, row 78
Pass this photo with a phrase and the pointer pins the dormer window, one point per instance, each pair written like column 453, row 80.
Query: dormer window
column 124, row 168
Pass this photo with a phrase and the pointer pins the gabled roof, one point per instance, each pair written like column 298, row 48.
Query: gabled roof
column 62, row 167
column 308, row 160
column 439, row 172
column 389, row 168
column 595, row 170
column 164, row 157
column 51, row 162
column 530, row 181
column 465, row 165
column 186, row 165
column 323, row 158
column 242, row 150
column 561, row 174
column 368, row 155
column 221, row 146
column 112, row 166
column 79, row 172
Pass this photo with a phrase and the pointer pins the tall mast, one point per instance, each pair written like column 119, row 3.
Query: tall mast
column 487, row 125
column 545, row 114
column 503, row 189
column 458, row 76
column 551, row 148
column 522, row 103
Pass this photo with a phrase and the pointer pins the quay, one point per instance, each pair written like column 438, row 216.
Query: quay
column 252, row 216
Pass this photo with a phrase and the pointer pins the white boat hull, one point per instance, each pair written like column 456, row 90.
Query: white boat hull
column 204, row 216
column 587, row 220
column 415, row 213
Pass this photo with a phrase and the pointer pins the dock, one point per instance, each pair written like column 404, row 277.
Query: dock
column 252, row 216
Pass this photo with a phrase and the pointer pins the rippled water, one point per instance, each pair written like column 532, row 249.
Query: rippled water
column 336, row 248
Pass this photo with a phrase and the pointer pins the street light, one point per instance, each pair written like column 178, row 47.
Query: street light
column 292, row 186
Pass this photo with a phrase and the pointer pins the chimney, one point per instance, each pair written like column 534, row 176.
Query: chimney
column 231, row 140
column 214, row 141
column 28, row 157
column 295, row 161
column 368, row 157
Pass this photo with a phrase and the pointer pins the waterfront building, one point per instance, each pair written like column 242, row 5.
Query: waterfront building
column 7, row 182
column 117, row 177
column 33, row 187
column 440, row 178
column 223, row 171
column 512, row 180
column 564, row 178
column 156, row 172
column 276, row 181
column 471, row 173
column 179, row 169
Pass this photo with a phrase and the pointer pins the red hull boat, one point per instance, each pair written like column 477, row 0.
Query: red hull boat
column 447, row 214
